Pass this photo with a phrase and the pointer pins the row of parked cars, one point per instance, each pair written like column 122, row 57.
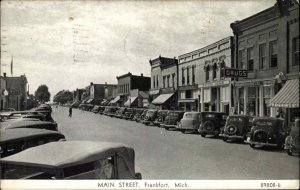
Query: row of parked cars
column 257, row 131
column 31, row 147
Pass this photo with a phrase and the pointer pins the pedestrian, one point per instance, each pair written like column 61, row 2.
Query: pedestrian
column 70, row 111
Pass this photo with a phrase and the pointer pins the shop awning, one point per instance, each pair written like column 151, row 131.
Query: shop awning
column 187, row 100
column 89, row 101
column 161, row 99
column 130, row 101
column 153, row 92
column 115, row 100
column 288, row 96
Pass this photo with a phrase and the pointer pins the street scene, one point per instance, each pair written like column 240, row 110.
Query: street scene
column 150, row 90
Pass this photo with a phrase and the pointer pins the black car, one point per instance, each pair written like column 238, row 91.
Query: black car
column 150, row 117
column 28, row 123
column 121, row 111
column 268, row 131
column 110, row 111
column 15, row 140
column 96, row 109
column 172, row 119
column 237, row 127
column 161, row 115
column 292, row 141
column 212, row 123
column 101, row 109
column 129, row 114
column 138, row 113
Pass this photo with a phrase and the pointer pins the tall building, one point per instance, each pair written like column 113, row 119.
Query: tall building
column 267, row 45
column 164, row 82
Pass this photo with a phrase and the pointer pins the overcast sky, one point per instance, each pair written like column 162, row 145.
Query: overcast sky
column 67, row 45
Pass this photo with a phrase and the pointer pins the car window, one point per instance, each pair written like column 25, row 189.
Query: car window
column 173, row 114
column 190, row 115
column 264, row 123
column 209, row 115
column 236, row 119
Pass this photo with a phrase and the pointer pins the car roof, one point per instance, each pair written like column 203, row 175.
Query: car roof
column 25, row 123
column 63, row 154
column 21, row 133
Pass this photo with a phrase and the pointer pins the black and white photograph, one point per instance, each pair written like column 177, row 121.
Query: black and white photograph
column 149, row 94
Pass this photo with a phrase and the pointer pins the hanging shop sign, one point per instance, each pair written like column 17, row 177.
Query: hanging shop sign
column 240, row 73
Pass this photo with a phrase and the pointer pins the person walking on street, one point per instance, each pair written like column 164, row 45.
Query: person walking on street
column 70, row 111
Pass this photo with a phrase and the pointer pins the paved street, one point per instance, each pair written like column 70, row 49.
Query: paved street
column 162, row 154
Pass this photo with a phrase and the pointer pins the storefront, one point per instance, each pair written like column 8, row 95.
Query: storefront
column 216, row 96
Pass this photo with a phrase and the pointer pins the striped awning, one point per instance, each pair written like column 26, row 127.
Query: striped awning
column 115, row 100
column 161, row 99
column 130, row 101
column 288, row 96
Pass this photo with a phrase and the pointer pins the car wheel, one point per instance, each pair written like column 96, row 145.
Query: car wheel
column 225, row 139
column 167, row 128
column 252, row 145
column 289, row 152
column 182, row 131
column 203, row 134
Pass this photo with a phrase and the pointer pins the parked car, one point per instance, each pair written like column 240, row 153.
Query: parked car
column 72, row 160
column 237, row 127
column 15, row 140
column 138, row 113
column 129, row 114
column 161, row 115
column 150, row 117
column 189, row 122
column 110, row 111
column 172, row 119
column 41, row 115
column 292, row 141
column 101, row 110
column 143, row 115
column 28, row 123
column 212, row 123
column 121, row 111
column 96, row 109
column 268, row 131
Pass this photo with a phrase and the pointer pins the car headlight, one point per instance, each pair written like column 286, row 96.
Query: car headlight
column 289, row 139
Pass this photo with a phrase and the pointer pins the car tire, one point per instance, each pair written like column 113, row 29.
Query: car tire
column 225, row 139
column 252, row 145
column 289, row 152
column 182, row 131
column 209, row 126
column 167, row 128
column 202, row 134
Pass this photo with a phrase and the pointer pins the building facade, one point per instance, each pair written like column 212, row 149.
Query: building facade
column 267, row 45
column 17, row 92
column 202, row 84
column 128, row 82
column 3, row 93
column 164, row 83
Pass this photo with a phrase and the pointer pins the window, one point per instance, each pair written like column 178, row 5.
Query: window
column 250, row 59
column 173, row 80
column 183, row 79
column 242, row 59
column 273, row 54
column 168, row 78
column 262, row 56
column 222, row 70
column 157, row 81
column 153, row 79
column 295, row 51
column 267, row 97
column 193, row 74
column 207, row 73
column 188, row 94
column 214, row 71
column 164, row 81
column 188, row 75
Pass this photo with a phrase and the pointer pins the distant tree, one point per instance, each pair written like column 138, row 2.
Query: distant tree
column 42, row 93
column 63, row 97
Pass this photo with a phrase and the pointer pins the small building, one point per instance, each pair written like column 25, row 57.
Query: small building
column 128, row 82
column 267, row 46
column 110, row 93
column 164, row 82
column 17, row 92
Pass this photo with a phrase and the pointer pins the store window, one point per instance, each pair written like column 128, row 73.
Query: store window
column 241, row 100
column 242, row 59
column 267, row 97
column 253, row 102
column 250, row 59
column 296, row 51
column 273, row 54
column 188, row 94
column 262, row 56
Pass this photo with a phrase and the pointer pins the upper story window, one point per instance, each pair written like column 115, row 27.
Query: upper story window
column 157, row 81
column 214, row 73
column 250, row 59
column 168, row 78
column 173, row 80
column 295, row 51
column 222, row 69
column 188, row 75
column 241, row 61
column 262, row 56
column 182, row 76
column 193, row 74
column 164, row 81
column 207, row 73
column 273, row 53
column 153, row 79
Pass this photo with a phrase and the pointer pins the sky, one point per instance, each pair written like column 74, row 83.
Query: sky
column 68, row 44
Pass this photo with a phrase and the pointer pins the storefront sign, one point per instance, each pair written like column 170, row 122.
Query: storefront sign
column 236, row 73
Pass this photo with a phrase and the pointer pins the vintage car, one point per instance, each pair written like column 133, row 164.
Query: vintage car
column 71, row 160
column 28, row 123
column 172, row 119
column 41, row 115
column 212, row 123
column 101, row 110
column 96, row 109
column 150, row 117
column 189, row 122
column 15, row 140
column 138, row 114
column 110, row 111
column 161, row 115
column 121, row 111
column 292, row 143
column 129, row 114
column 237, row 127
column 268, row 131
